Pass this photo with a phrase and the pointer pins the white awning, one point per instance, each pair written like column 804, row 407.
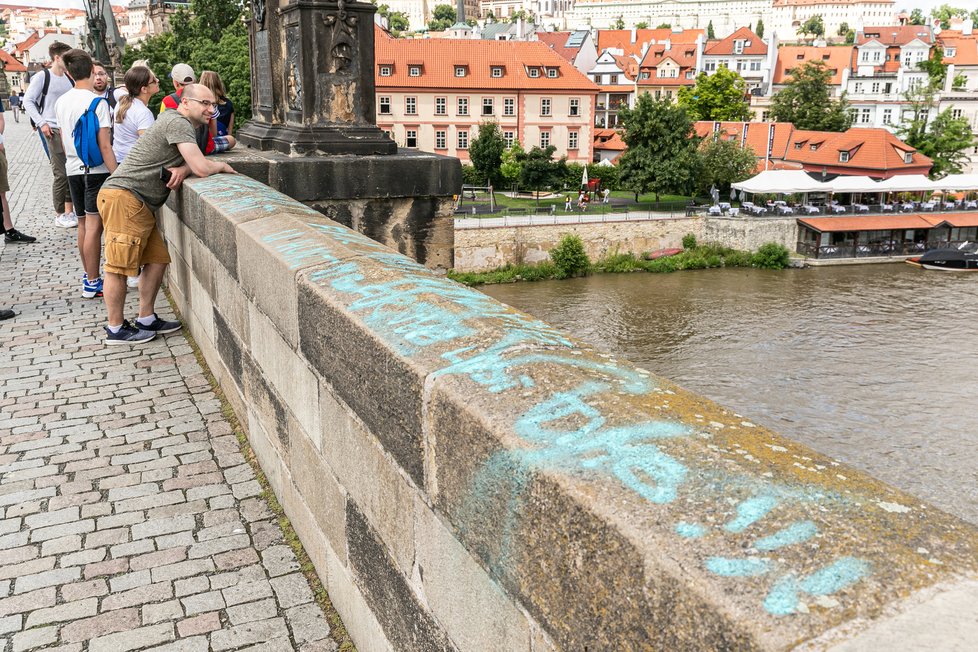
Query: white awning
column 958, row 182
column 782, row 182
column 853, row 184
column 907, row 183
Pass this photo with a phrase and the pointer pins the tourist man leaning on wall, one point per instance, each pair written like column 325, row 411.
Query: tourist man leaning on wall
column 159, row 161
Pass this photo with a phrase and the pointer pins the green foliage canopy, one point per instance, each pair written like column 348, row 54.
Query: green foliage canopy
column 486, row 151
column 720, row 96
column 724, row 162
column 805, row 101
column 945, row 139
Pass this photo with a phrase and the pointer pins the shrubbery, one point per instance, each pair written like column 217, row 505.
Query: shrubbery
column 771, row 256
column 569, row 257
column 689, row 241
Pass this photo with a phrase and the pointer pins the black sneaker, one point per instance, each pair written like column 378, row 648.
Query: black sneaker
column 14, row 236
column 160, row 326
column 128, row 334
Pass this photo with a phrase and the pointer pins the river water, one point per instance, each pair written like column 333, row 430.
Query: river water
column 875, row 365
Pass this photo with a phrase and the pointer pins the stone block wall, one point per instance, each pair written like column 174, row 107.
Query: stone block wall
column 465, row 477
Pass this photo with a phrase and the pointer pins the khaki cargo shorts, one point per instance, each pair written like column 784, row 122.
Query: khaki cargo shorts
column 132, row 237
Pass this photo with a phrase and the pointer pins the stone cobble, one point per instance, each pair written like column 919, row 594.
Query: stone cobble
column 129, row 518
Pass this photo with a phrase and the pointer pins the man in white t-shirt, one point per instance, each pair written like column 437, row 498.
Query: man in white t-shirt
column 84, row 183
column 42, row 94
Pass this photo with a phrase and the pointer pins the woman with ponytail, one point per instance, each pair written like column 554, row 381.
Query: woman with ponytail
column 132, row 115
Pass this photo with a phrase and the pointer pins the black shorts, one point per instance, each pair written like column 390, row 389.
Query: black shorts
column 84, row 192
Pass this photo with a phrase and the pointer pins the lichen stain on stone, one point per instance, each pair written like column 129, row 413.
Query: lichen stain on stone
column 342, row 102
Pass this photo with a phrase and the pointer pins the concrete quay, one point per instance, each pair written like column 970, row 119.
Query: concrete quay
column 130, row 519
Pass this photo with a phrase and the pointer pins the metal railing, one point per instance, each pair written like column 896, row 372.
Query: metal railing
column 871, row 249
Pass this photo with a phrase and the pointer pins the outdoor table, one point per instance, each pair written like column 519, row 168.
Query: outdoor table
column 784, row 209
column 725, row 206
column 714, row 210
column 887, row 208
column 861, row 208
column 838, row 209
column 907, row 206
column 928, row 206
column 971, row 203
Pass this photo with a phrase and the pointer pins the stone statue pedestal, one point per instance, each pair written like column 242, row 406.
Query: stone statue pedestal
column 314, row 136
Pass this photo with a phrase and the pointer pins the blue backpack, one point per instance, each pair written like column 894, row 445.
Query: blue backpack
column 86, row 137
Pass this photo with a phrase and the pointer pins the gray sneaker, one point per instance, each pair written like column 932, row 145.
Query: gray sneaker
column 128, row 334
column 160, row 326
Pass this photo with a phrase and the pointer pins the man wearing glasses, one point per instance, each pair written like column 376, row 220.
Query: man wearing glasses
column 103, row 88
column 159, row 161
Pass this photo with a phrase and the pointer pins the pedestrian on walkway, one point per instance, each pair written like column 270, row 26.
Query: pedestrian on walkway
column 567, row 203
column 45, row 89
column 132, row 114
column 84, row 182
column 15, row 105
column 159, row 161
column 10, row 234
column 103, row 88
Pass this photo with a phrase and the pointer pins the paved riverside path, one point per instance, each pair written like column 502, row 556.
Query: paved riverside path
column 129, row 518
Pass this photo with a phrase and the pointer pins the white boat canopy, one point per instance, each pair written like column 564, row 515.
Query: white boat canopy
column 907, row 183
column 958, row 182
column 781, row 182
column 854, row 184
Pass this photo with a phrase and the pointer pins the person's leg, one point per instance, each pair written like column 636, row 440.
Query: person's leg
column 92, row 244
column 10, row 234
column 8, row 221
column 62, row 198
column 114, row 287
column 150, row 280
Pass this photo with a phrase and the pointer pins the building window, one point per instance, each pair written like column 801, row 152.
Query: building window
column 463, row 106
column 859, row 88
column 875, row 88
column 755, row 65
column 957, row 113
column 877, row 56
column 411, row 138
column 908, row 157
column 441, row 106
column 572, row 137
column 460, row 71
column 509, row 137
column 487, row 108
column 552, row 73
column 411, row 106
column 545, row 106
column 613, row 79
column 509, row 106
column 385, row 71
column 689, row 74
column 441, row 141
column 950, row 52
column 574, row 108
column 864, row 116
column 887, row 116
column 738, row 46
column 544, row 139
column 385, row 105
column 765, row 116
column 496, row 71
column 843, row 157
column 533, row 72
column 463, row 140
column 645, row 74
column 414, row 71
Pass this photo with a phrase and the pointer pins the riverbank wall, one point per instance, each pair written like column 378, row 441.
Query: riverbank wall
column 466, row 477
column 486, row 249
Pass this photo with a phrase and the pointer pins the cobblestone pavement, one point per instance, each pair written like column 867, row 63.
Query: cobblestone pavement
column 129, row 518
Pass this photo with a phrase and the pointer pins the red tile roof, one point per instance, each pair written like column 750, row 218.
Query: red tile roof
column 866, row 223
column 756, row 137
column 439, row 57
column 10, row 64
column 622, row 38
column 726, row 46
column 809, row 3
column 790, row 57
column 958, row 220
column 895, row 34
column 558, row 43
column 609, row 139
column 32, row 40
column 965, row 48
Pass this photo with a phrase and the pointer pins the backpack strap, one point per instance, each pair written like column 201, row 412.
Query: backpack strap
column 44, row 90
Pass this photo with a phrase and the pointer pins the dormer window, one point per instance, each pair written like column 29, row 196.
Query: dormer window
column 814, row 147
column 414, row 71
column 738, row 46
column 908, row 157
column 385, row 71
column 460, row 71
column 533, row 72
column 843, row 157
column 552, row 74
column 798, row 145
column 496, row 71
column 950, row 52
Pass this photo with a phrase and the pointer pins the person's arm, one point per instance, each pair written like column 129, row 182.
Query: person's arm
column 33, row 96
column 3, row 123
column 199, row 165
column 104, row 139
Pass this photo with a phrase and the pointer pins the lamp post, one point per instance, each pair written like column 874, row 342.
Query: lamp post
column 94, row 13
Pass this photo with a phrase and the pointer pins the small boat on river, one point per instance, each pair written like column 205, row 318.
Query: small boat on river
column 961, row 259
column 662, row 253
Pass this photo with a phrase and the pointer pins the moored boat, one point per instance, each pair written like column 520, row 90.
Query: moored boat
column 961, row 259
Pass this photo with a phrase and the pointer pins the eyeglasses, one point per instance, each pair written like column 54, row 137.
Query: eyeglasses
column 206, row 103
column 154, row 81
column 102, row 74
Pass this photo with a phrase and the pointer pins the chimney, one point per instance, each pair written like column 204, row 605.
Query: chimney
column 634, row 35
column 966, row 27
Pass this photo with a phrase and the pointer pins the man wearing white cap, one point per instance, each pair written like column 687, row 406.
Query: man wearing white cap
column 181, row 75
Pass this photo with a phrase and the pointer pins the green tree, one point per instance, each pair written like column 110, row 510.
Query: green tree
column 569, row 256
column 935, row 67
column 760, row 28
column 710, row 35
column 974, row 18
column 814, row 26
column 619, row 23
column 724, row 162
column 486, row 151
column 442, row 18
column 917, row 17
column 511, row 166
column 945, row 139
column 850, row 37
column 642, row 25
column 661, row 155
column 805, row 101
column 720, row 96
column 843, row 29
column 946, row 12
column 518, row 14
column 212, row 17
column 664, row 26
column 539, row 168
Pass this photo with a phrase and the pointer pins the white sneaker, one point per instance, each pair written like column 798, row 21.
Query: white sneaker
column 66, row 220
column 132, row 281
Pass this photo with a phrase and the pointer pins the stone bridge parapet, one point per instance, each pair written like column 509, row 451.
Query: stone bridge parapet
column 466, row 477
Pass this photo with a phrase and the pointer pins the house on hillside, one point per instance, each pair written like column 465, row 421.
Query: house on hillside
column 791, row 57
column 747, row 54
column 432, row 95
column 15, row 71
column 666, row 68
column 577, row 47
column 34, row 49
